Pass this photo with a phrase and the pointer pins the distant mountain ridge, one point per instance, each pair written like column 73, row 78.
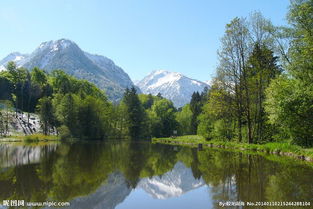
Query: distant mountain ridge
column 171, row 85
column 66, row 55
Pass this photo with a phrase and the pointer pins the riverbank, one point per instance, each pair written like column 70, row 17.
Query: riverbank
column 281, row 149
column 30, row 138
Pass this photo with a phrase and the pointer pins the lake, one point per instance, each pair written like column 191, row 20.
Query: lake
column 135, row 175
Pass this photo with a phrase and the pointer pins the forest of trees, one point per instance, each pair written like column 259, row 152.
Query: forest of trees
column 263, row 88
column 262, row 91
column 78, row 109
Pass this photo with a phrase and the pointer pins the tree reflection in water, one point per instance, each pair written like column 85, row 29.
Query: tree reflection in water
column 104, row 174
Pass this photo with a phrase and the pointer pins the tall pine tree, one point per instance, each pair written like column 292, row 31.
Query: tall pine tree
column 135, row 114
column 195, row 107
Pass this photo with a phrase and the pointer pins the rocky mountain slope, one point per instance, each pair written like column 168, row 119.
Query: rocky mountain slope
column 66, row 55
column 108, row 195
column 20, row 124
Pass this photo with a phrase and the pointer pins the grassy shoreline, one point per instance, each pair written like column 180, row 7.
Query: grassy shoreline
column 281, row 149
column 30, row 138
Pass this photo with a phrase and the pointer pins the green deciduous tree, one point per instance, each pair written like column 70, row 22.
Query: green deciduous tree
column 218, row 117
column 92, row 118
column 290, row 108
column 301, row 46
column 290, row 98
column 184, row 118
column 164, row 111
column 66, row 111
column 247, row 65
column 45, row 110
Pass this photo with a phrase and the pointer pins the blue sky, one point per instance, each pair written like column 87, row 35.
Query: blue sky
column 138, row 35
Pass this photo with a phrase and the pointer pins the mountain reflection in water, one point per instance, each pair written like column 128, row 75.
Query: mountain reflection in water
column 127, row 175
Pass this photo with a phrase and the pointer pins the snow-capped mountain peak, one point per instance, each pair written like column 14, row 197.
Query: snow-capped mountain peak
column 172, row 85
column 16, row 57
column 55, row 45
column 163, row 77
column 172, row 184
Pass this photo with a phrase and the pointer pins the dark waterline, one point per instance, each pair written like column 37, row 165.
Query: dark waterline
column 126, row 175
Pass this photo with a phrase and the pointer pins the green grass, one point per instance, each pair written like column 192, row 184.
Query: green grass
column 283, row 148
column 30, row 138
column 187, row 139
column 40, row 137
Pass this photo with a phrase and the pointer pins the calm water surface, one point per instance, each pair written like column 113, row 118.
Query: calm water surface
column 125, row 175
